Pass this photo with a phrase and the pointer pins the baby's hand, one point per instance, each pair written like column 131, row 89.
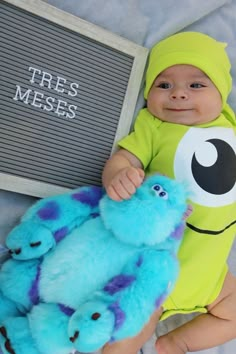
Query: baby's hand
column 124, row 184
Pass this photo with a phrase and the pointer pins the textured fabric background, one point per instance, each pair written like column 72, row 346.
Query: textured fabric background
column 145, row 22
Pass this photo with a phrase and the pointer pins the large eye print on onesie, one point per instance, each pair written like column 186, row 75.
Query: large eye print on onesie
column 206, row 160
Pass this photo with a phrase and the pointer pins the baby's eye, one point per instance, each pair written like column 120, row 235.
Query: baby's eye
column 164, row 85
column 197, row 85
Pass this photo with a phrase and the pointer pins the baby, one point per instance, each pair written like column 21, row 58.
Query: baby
column 187, row 132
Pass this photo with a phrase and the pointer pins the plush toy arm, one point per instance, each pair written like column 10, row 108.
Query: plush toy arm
column 65, row 210
column 50, row 219
column 61, row 209
column 126, row 302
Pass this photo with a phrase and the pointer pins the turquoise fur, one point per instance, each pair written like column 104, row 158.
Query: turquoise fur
column 50, row 220
column 115, row 264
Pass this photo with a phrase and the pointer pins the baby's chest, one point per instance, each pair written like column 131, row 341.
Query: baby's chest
column 197, row 155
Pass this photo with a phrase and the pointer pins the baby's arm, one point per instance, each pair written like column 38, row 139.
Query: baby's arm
column 122, row 174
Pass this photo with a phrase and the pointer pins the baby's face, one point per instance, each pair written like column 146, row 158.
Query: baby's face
column 183, row 94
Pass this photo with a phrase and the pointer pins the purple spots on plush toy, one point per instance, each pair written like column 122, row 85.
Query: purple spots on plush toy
column 118, row 283
column 34, row 290
column 118, row 313
column 178, row 232
column 90, row 197
column 159, row 301
column 139, row 261
column 60, row 234
column 50, row 211
column 68, row 311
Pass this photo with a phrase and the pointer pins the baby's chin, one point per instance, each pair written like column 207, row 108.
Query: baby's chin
column 188, row 118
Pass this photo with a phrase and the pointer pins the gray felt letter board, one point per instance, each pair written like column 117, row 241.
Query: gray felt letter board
column 67, row 93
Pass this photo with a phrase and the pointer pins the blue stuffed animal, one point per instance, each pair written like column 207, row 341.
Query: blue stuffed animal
column 102, row 282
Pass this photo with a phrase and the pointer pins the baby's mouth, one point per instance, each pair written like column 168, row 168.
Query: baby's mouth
column 179, row 109
column 210, row 232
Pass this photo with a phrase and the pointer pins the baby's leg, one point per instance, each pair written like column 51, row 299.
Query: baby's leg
column 132, row 345
column 208, row 330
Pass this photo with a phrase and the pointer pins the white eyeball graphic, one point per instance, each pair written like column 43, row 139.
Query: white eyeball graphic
column 206, row 161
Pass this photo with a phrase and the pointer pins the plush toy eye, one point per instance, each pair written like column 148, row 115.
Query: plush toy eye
column 156, row 187
column 160, row 191
column 163, row 195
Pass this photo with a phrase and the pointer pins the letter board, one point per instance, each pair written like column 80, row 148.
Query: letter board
column 68, row 91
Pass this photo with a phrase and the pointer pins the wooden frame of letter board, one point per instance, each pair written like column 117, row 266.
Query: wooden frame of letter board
column 68, row 91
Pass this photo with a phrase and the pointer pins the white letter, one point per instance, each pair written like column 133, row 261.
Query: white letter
column 70, row 108
column 58, row 84
column 59, row 106
column 50, row 108
column 47, row 79
column 22, row 97
column 37, row 100
column 34, row 72
column 74, row 91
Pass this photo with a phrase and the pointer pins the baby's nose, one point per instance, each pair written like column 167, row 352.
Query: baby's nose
column 179, row 93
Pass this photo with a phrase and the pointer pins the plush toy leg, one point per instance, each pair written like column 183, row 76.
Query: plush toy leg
column 49, row 328
column 91, row 326
column 140, row 289
column 15, row 337
column 126, row 302
column 43, row 331
column 7, row 308
column 19, row 282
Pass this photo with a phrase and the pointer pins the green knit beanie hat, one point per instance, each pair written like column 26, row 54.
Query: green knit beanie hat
column 195, row 49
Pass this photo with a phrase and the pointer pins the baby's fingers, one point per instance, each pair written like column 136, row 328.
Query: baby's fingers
column 136, row 176
column 127, row 184
column 118, row 191
column 112, row 193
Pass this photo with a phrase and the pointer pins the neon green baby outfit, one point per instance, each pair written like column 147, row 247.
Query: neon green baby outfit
column 203, row 157
column 170, row 149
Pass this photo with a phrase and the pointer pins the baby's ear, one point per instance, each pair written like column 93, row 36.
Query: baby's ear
column 188, row 212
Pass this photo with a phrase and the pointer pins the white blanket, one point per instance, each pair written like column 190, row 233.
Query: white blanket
column 146, row 22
